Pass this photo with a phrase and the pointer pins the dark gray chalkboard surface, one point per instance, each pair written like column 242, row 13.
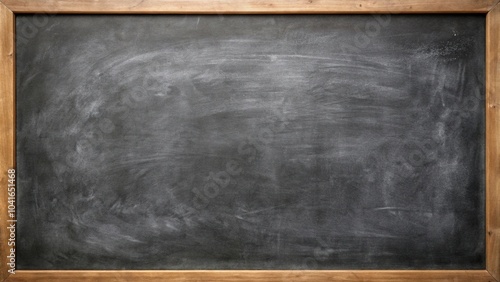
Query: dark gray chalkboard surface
column 251, row 142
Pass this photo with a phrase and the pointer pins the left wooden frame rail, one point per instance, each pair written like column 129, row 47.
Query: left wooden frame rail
column 9, row 9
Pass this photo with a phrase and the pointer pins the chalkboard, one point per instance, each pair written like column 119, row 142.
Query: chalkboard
column 251, row 142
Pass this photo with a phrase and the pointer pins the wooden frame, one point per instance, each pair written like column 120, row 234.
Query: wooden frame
column 9, row 8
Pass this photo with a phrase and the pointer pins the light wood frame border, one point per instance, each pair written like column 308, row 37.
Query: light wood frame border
column 9, row 8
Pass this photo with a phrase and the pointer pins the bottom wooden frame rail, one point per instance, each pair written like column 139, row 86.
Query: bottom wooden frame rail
column 252, row 275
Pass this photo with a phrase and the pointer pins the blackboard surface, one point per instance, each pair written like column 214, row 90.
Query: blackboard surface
column 251, row 142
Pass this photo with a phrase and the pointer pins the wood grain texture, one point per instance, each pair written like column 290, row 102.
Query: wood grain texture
column 493, row 142
column 250, row 6
column 240, row 276
column 6, row 123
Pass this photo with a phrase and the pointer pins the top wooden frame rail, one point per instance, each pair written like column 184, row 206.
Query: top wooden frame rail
column 9, row 8
column 249, row 6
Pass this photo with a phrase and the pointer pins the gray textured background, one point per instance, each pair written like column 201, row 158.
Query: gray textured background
column 250, row 142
